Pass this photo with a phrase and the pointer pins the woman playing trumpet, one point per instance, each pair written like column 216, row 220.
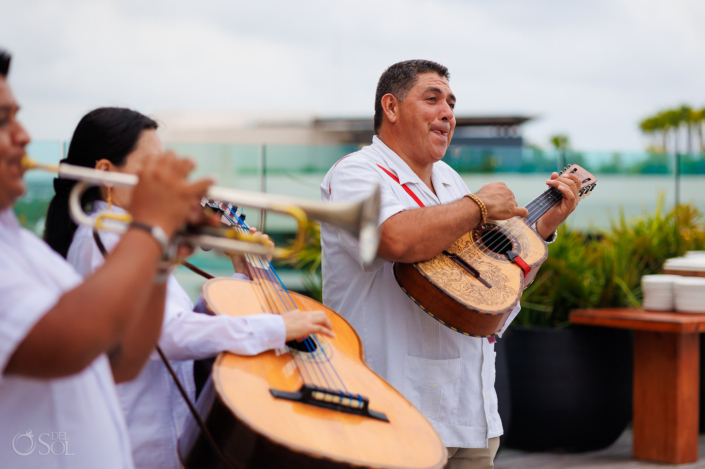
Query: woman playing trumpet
column 122, row 140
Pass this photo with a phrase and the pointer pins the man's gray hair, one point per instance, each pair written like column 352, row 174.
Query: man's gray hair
column 400, row 78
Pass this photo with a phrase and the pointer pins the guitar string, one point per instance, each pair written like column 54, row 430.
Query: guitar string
column 306, row 342
column 311, row 347
column 546, row 200
column 315, row 374
column 298, row 361
column 314, row 337
column 273, row 309
column 499, row 237
column 272, row 284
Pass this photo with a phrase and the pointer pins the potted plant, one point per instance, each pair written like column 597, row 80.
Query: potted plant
column 570, row 386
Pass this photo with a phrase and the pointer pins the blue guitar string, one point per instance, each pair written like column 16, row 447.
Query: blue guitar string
column 268, row 272
column 309, row 346
column 293, row 356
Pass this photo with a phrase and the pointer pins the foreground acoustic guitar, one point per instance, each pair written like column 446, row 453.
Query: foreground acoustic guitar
column 314, row 404
column 474, row 285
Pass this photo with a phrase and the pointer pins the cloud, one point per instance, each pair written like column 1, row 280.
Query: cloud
column 591, row 69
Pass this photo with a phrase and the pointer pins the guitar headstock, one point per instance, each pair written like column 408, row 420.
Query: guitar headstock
column 587, row 180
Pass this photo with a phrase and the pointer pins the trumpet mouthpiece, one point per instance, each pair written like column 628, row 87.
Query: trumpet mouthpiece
column 28, row 163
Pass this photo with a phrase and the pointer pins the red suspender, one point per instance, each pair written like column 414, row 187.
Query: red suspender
column 406, row 188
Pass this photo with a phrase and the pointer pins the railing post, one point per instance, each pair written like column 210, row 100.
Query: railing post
column 262, row 167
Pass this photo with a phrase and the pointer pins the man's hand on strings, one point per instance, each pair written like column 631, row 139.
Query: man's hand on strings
column 500, row 202
column 569, row 187
column 301, row 324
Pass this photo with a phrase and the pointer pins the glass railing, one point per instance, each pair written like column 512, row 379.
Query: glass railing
column 632, row 182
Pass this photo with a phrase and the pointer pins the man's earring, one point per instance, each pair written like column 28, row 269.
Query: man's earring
column 110, row 198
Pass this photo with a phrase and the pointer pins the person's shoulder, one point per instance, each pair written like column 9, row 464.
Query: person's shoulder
column 362, row 163
column 365, row 157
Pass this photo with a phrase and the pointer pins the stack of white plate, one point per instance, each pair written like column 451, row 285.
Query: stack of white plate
column 693, row 262
column 689, row 294
column 692, row 254
column 658, row 292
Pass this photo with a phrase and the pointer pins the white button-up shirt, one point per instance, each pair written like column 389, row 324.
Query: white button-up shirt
column 72, row 422
column 447, row 375
column 154, row 409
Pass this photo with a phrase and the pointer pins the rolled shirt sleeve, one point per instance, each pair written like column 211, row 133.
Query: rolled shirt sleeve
column 189, row 336
column 186, row 334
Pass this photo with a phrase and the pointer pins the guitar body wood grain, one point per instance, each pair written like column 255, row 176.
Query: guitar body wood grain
column 459, row 300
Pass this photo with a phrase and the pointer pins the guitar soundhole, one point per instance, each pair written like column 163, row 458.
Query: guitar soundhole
column 308, row 345
column 496, row 241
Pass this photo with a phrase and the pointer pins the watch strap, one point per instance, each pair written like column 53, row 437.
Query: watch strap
column 157, row 233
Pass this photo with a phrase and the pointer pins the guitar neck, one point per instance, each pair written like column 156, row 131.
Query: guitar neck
column 542, row 204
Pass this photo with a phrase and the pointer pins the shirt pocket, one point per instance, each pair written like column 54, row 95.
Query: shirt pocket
column 433, row 385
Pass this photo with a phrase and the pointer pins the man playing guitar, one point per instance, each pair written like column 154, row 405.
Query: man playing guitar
column 449, row 376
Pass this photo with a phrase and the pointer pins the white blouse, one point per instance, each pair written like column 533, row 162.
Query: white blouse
column 154, row 409
column 71, row 422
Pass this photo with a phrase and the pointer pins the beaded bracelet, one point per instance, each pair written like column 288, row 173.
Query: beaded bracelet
column 481, row 204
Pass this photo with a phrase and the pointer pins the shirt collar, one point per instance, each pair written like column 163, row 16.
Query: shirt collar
column 8, row 220
column 402, row 169
column 9, row 226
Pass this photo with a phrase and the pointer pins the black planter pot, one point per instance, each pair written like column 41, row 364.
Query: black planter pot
column 501, row 386
column 571, row 389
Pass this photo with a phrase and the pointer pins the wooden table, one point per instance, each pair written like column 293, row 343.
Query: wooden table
column 666, row 379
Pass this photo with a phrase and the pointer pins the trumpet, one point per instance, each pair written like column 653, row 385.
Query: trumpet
column 359, row 219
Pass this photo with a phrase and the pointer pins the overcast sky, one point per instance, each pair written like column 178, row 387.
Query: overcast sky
column 591, row 69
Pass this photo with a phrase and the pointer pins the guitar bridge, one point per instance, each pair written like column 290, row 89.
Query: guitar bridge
column 333, row 400
column 463, row 264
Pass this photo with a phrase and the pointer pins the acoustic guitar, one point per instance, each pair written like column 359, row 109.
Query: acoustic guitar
column 473, row 285
column 314, row 404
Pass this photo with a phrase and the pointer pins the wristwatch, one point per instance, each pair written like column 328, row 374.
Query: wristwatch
column 157, row 233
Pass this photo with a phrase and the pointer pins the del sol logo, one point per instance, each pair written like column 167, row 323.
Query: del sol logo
column 54, row 443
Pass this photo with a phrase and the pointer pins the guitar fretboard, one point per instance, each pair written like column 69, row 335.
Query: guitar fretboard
column 542, row 204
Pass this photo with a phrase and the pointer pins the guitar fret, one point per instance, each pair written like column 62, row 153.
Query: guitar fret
column 542, row 204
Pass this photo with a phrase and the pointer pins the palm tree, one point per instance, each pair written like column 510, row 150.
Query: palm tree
column 561, row 143
column 650, row 126
column 672, row 118
column 685, row 116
